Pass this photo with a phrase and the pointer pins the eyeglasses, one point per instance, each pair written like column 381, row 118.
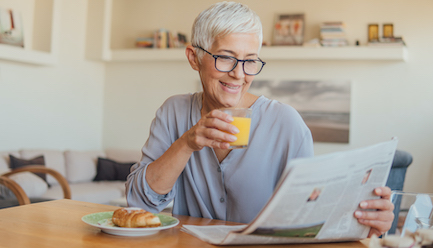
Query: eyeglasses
column 225, row 63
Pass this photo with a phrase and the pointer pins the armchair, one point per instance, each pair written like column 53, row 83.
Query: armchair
column 21, row 196
column 16, row 189
column 401, row 162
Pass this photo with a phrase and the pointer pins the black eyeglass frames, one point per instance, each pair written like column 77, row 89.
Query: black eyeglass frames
column 224, row 63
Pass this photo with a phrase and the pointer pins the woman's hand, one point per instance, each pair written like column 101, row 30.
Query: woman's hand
column 212, row 130
column 380, row 220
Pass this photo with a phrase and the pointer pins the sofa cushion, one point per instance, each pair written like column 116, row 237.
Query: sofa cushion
column 110, row 170
column 97, row 192
column 16, row 163
column 81, row 165
column 54, row 159
column 33, row 185
column 4, row 160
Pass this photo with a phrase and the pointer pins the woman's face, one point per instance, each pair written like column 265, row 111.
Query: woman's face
column 226, row 89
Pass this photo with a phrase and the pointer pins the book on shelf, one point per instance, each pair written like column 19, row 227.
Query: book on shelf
column 162, row 39
column 314, row 200
column 333, row 34
column 144, row 42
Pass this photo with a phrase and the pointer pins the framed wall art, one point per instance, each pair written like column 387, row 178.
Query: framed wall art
column 323, row 104
column 388, row 30
column 11, row 28
column 289, row 30
column 373, row 32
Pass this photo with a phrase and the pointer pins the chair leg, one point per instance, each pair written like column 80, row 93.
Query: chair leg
column 16, row 189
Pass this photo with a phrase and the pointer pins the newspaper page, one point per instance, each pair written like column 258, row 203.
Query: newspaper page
column 314, row 201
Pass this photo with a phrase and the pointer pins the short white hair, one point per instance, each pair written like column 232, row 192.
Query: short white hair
column 223, row 19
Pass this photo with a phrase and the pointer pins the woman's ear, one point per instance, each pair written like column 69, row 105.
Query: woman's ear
column 192, row 57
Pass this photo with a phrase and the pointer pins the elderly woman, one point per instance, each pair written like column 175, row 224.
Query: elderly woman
column 187, row 156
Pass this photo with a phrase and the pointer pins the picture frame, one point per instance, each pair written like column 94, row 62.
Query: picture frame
column 328, row 118
column 373, row 32
column 289, row 30
column 388, row 30
column 11, row 28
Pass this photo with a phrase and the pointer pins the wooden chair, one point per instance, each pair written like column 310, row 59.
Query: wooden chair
column 22, row 197
column 400, row 164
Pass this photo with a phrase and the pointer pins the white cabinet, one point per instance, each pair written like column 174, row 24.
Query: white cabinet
column 40, row 23
column 102, row 15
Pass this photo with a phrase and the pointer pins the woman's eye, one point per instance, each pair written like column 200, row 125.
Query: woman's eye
column 225, row 58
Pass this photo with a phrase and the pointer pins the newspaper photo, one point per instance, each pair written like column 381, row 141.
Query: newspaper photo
column 314, row 200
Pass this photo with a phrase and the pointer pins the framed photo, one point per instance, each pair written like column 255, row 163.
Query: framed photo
column 328, row 118
column 11, row 28
column 388, row 30
column 289, row 30
column 373, row 32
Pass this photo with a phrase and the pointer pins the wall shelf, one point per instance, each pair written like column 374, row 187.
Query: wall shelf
column 99, row 46
column 335, row 53
column 38, row 49
column 270, row 53
column 18, row 54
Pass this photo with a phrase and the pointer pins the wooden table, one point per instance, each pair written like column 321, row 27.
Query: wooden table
column 58, row 224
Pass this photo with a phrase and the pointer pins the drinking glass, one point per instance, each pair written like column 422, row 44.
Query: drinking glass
column 242, row 120
column 411, row 211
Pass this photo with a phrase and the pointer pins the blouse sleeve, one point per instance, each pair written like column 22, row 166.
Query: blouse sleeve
column 138, row 191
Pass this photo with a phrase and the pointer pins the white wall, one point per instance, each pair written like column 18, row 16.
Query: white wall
column 80, row 104
column 388, row 98
column 54, row 107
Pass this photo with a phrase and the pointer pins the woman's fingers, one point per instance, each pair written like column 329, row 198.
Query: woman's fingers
column 374, row 231
column 377, row 227
column 213, row 130
column 220, row 115
column 379, row 204
column 383, row 192
column 379, row 222
column 380, row 215
column 219, row 120
column 381, row 219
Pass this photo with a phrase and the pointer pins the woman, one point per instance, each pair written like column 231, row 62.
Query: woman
column 186, row 157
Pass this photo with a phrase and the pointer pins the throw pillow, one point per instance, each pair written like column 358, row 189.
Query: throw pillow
column 110, row 170
column 33, row 185
column 16, row 163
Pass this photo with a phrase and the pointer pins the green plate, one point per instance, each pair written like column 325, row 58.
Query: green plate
column 102, row 220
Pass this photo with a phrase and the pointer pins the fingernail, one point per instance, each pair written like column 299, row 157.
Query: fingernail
column 363, row 204
column 378, row 191
column 358, row 214
column 232, row 138
column 230, row 118
column 235, row 130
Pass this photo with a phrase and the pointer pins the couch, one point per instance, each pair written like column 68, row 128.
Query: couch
column 79, row 168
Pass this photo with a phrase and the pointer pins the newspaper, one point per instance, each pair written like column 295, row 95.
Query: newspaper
column 314, row 200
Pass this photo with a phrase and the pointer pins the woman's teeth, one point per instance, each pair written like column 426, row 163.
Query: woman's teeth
column 230, row 87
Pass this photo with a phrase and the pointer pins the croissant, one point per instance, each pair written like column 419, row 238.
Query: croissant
column 134, row 217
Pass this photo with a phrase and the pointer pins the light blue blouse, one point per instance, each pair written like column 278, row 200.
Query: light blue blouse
column 235, row 189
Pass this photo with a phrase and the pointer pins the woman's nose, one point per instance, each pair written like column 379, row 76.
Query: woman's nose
column 238, row 71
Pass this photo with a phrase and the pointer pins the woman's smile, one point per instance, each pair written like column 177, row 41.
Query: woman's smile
column 231, row 88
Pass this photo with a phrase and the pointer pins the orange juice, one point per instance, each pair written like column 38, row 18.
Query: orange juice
column 243, row 124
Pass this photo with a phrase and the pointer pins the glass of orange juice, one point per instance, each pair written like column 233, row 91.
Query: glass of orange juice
column 242, row 120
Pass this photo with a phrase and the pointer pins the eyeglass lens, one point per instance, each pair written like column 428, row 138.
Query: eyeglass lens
column 226, row 64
